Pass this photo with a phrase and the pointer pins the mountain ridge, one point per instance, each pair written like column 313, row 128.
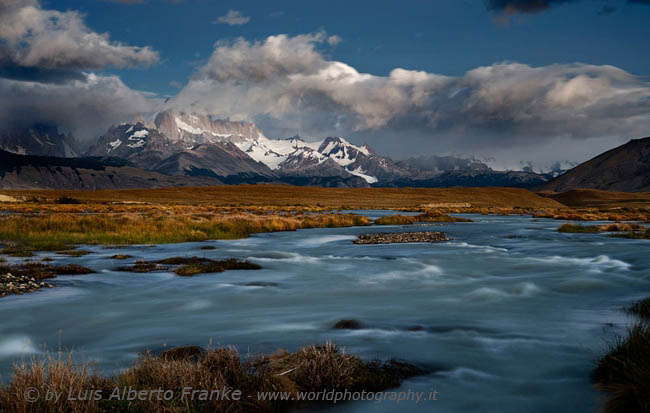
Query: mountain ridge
column 181, row 144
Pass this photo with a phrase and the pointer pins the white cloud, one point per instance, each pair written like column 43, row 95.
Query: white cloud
column 334, row 40
column 31, row 36
column 233, row 18
column 286, row 84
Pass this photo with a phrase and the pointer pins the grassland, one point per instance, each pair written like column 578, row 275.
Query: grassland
column 55, row 231
column 285, row 195
column 60, row 220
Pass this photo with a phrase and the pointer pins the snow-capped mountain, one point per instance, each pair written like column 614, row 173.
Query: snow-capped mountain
column 178, row 143
column 135, row 142
column 197, row 129
column 174, row 132
column 150, row 149
column 332, row 156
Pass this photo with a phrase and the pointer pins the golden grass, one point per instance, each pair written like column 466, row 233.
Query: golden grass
column 285, row 195
column 56, row 231
column 56, row 373
column 623, row 230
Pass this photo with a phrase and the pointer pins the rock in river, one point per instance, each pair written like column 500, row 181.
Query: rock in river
column 401, row 237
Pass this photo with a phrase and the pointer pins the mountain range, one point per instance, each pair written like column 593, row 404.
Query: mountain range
column 189, row 146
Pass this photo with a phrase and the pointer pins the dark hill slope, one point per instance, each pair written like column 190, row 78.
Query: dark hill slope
column 625, row 169
column 35, row 172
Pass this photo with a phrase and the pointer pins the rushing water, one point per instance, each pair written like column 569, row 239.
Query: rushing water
column 513, row 312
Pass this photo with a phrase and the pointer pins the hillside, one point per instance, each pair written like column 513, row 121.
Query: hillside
column 624, row 169
column 33, row 172
column 593, row 198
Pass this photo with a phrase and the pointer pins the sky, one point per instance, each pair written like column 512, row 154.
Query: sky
column 513, row 81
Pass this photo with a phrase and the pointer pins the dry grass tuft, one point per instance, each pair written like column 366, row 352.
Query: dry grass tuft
column 54, row 373
column 312, row 368
column 641, row 309
column 624, row 372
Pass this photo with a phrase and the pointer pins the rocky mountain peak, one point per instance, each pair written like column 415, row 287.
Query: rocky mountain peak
column 201, row 128
column 38, row 139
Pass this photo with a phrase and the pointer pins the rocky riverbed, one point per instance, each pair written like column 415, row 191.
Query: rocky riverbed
column 29, row 277
column 20, row 284
column 401, row 237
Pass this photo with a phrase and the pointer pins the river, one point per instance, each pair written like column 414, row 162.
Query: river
column 509, row 316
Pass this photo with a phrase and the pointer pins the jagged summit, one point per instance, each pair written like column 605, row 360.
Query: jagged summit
column 193, row 128
column 38, row 139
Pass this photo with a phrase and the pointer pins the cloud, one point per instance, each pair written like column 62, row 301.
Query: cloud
column 522, row 6
column 606, row 10
column 84, row 108
column 51, row 44
column 510, row 7
column 334, row 40
column 286, row 85
column 45, row 61
column 233, row 18
column 125, row 1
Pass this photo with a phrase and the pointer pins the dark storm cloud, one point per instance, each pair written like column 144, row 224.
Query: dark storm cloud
column 84, row 108
column 36, row 74
column 522, row 6
column 45, row 61
column 535, row 6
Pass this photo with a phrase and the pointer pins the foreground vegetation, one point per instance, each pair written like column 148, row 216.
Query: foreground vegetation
column 312, row 368
column 623, row 372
